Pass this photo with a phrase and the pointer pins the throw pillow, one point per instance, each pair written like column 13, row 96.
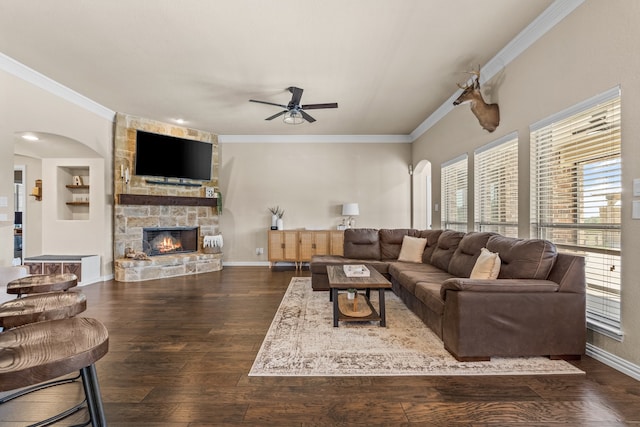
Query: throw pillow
column 412, row 248
column 487, row 265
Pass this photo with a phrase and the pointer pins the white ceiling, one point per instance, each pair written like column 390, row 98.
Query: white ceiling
column 389, row 64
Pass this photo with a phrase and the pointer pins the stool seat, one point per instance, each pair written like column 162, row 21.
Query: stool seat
column 41, row 351
column 40, row 283
column 38, row 352
column 41, row 307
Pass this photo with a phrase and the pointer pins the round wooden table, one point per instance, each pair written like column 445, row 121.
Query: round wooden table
column 40, row 283
column 41, row 307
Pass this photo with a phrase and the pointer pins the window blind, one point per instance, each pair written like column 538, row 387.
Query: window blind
column 454, row 194
column 496, row 186
column 576, row 197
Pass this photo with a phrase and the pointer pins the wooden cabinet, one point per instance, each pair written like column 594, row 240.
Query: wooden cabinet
column 86, row 267
column 313, row 243
column 283, row 246
column 299, row 246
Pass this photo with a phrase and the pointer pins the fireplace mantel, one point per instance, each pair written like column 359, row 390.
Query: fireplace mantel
column 145, row 199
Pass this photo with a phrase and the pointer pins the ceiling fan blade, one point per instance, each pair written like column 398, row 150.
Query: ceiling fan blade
column 276, row 115
column 297, row 94
column 268, row 103
column 317, row 106
column 307, row 117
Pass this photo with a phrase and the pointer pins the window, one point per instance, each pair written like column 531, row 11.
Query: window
column 454, row 194
column 576, row 189
column 496, row 186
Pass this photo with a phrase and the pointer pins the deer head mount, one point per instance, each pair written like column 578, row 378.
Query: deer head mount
column 488, row 114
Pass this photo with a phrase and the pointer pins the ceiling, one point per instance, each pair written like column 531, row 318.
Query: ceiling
column 388, row 64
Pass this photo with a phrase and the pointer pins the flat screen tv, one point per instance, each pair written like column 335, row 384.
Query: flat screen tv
column 170, row 157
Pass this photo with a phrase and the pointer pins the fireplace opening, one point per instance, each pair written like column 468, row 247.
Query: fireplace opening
column 169, row 240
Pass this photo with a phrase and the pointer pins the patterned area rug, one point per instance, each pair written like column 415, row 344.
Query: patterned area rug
column 303, row 342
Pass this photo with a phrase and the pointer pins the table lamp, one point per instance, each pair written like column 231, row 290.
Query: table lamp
column 350, row 210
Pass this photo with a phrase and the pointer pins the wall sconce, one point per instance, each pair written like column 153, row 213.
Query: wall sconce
column 350, row 210
column 37, row 190
column 124, row 174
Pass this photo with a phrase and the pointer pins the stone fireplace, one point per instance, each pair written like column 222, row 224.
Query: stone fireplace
column 176, row 214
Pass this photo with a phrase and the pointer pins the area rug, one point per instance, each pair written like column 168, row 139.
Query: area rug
column 302, row 341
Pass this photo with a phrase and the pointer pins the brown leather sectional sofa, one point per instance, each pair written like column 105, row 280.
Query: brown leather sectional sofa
column 536, row 306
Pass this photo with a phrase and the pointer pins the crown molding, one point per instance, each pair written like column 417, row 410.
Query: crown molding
column 551, row 16
column 30, row 75
column 310, row 139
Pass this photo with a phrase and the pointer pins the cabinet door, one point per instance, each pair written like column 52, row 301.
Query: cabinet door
column 321, row 243
column 34, row 267
column 290, row 245
column 73, row 268
column 337, row 242
column 52, row 268
column 283, row 246
column 276, row 246
column 306, row 245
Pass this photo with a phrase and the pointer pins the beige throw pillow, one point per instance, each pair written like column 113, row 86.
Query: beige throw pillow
column 412, row 248
column 487, row 265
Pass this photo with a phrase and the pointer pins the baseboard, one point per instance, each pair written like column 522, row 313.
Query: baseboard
column 246, row 264
column 617, row 363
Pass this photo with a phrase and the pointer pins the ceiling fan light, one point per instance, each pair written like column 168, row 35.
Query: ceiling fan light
column 293, row 117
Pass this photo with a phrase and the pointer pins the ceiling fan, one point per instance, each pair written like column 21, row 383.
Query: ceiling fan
column 294, row 112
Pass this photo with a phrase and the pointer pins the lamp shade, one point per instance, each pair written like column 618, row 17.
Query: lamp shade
column 350, row 209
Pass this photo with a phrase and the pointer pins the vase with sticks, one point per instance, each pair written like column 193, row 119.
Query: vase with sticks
column 276, row 218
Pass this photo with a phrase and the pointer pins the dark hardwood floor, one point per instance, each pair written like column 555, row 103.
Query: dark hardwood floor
column 181, row 348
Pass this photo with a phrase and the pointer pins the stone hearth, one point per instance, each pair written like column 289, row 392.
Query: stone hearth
column 158, row 267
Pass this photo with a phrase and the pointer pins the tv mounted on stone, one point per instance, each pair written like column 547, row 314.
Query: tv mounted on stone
column 166, row 156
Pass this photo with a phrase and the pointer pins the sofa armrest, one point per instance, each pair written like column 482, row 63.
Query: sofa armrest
column 497, row 285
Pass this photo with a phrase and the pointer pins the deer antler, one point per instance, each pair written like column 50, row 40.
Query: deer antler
column 475, row 73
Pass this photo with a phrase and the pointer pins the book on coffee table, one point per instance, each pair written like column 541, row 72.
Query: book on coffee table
column 358, row 270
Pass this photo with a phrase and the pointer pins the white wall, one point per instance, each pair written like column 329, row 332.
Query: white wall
column 310, row 182
column 592, row 50
column 27, row 107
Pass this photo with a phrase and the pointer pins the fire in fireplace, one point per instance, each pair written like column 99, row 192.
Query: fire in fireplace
column 169, row 240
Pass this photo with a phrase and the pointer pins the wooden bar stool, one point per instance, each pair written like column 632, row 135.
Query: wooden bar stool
column 42, row 351
column 41, row 307
column 40, row 283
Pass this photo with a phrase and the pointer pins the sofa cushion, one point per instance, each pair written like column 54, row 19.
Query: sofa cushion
column 429, row 294
column 362, row 243
column 391, row 241
column 523, row 258
column 447, row 243
column 432, row 241
column 408, row 274
column 487, row 265
column 412, row 249
column 468, row 250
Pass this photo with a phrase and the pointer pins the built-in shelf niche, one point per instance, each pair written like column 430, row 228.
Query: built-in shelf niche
column 74, row 194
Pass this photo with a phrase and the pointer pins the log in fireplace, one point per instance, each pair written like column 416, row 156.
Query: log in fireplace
column 169, row 240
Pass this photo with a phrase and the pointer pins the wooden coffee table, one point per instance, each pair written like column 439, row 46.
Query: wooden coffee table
column 338, row 280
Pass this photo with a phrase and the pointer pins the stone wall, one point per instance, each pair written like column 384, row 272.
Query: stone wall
column 129, row 219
